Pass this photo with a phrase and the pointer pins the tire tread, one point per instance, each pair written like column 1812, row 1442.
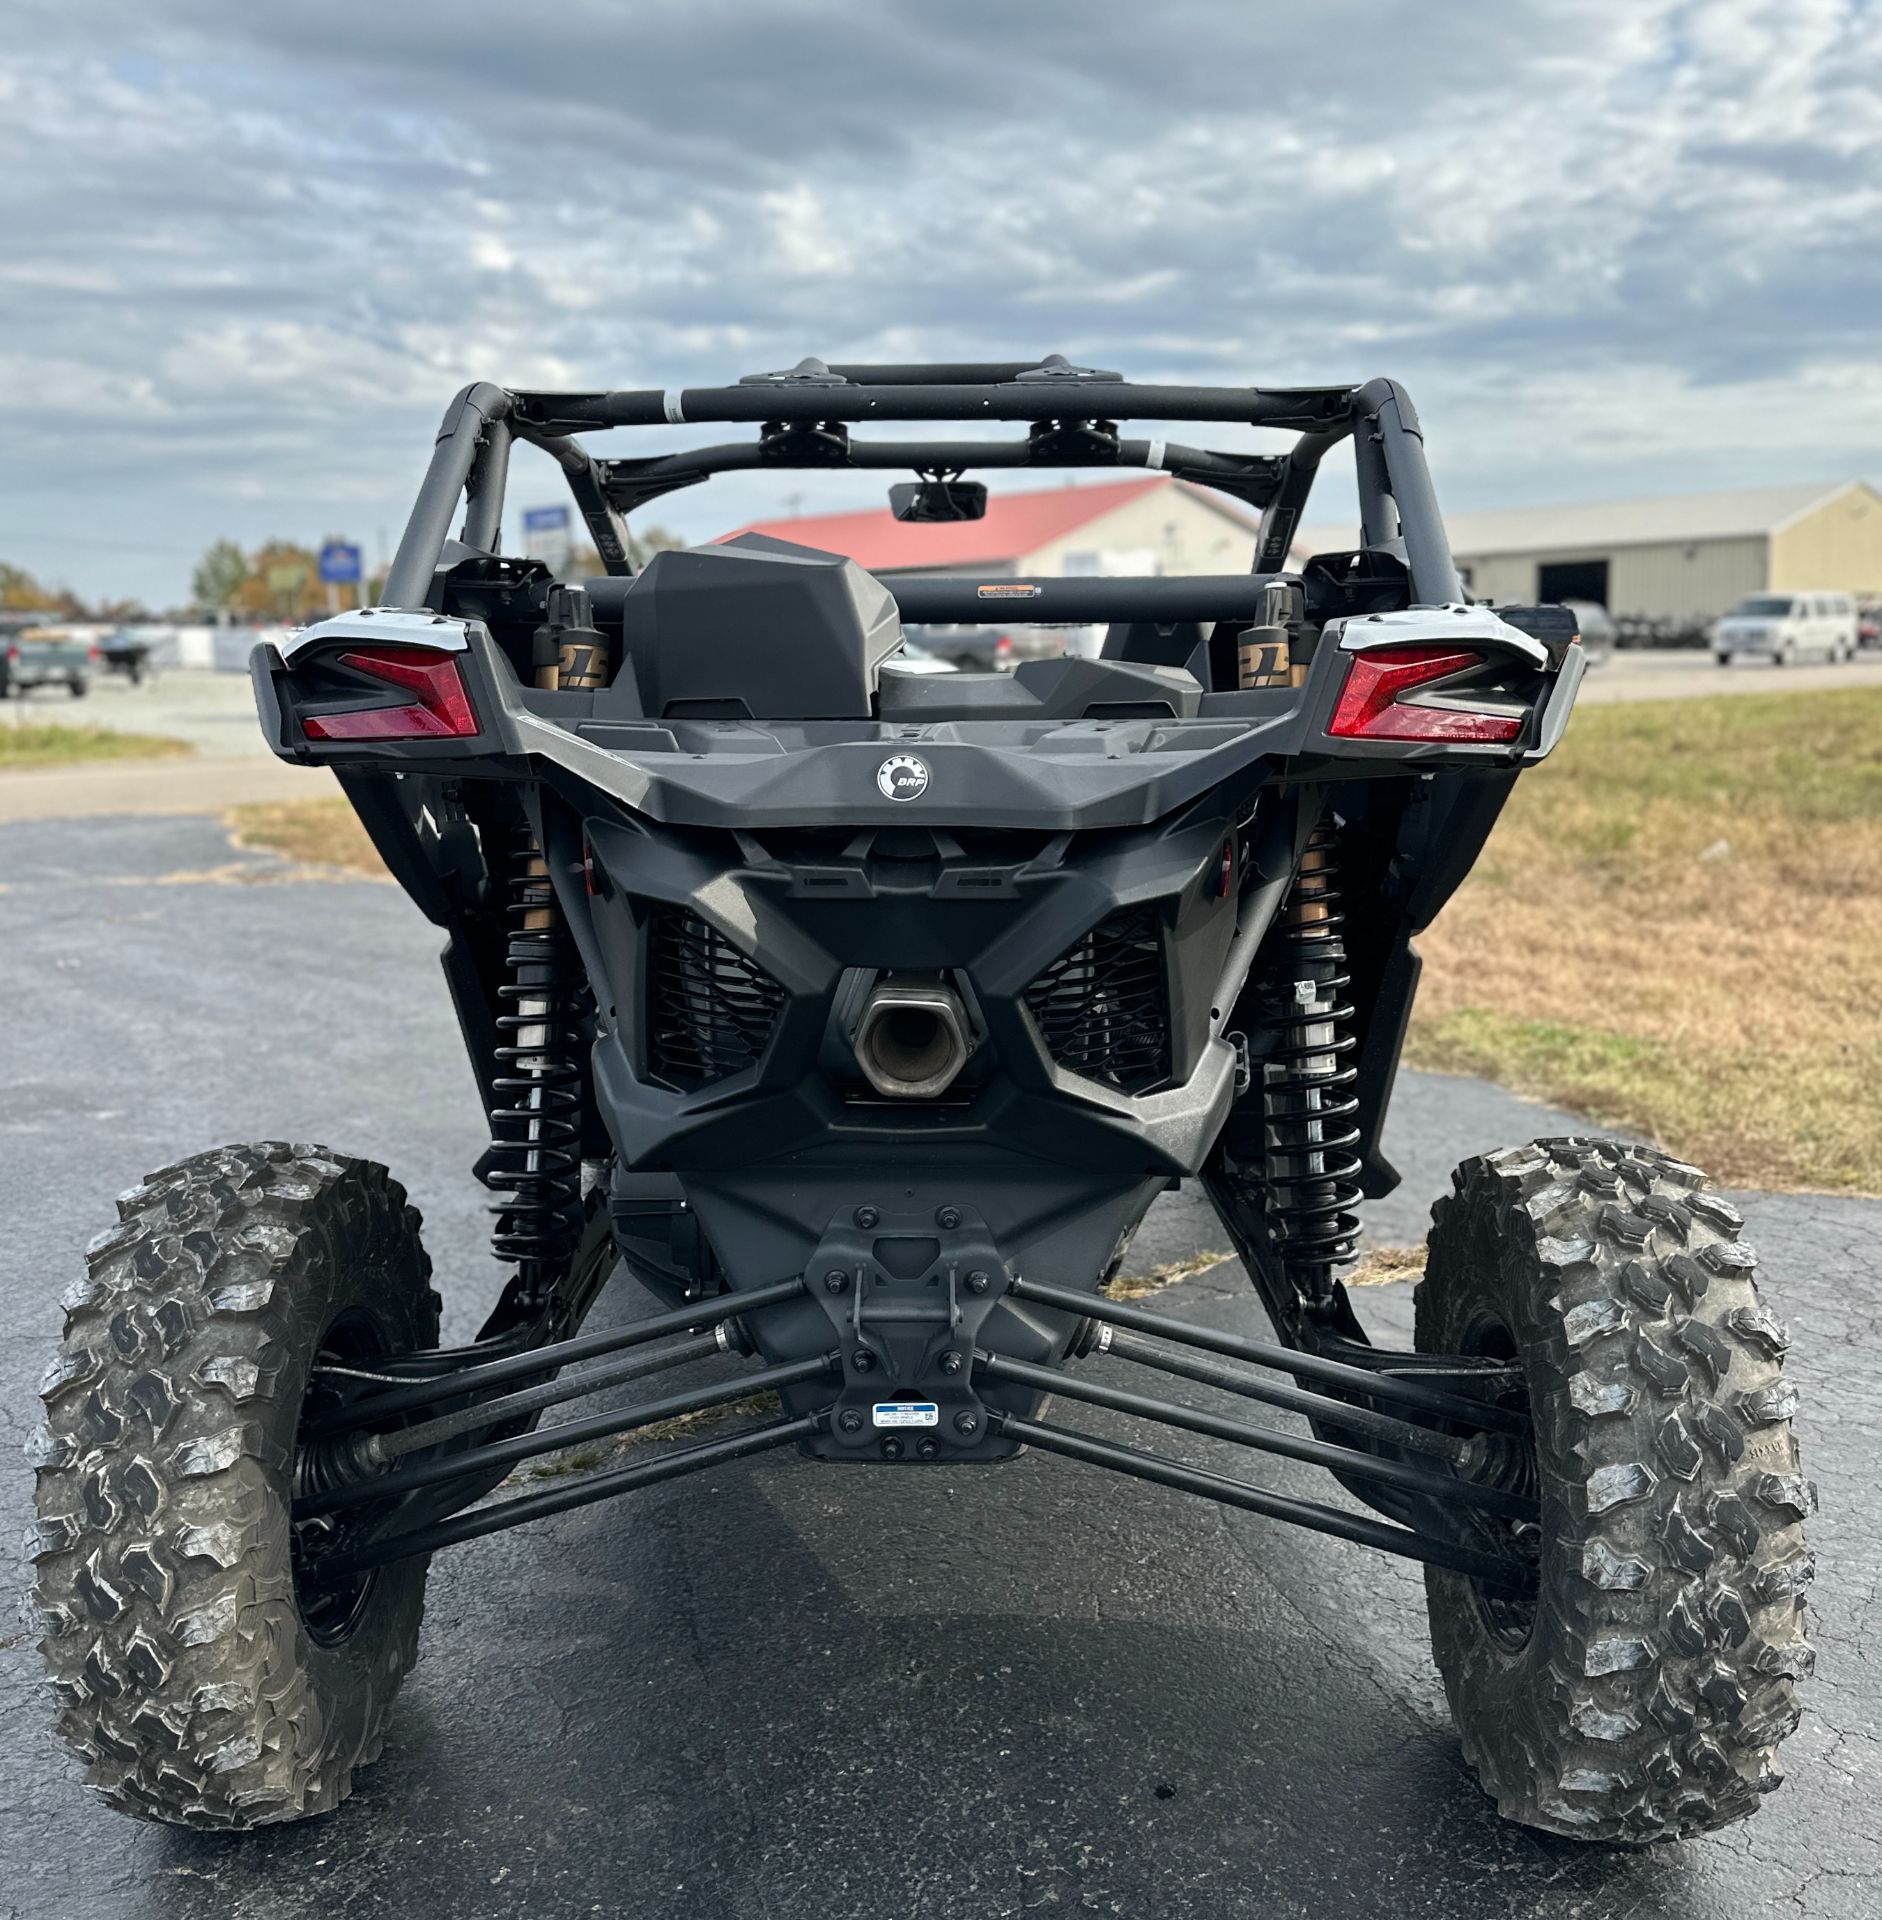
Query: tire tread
column 1660, row 1678
column 162, row 1570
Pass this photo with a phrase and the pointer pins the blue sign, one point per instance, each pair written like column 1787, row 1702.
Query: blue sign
column 546, row 536
column 339, row 563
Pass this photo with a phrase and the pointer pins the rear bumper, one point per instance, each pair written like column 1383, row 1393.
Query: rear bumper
column 778, row 948
column 1049, row 756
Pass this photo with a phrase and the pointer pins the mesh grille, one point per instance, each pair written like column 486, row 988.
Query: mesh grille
column 710, row 1010
column 1102, row 1008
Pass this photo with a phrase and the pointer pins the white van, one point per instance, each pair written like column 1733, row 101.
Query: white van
column 1788, row 626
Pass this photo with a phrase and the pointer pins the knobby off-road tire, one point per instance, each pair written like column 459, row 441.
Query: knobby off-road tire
column 199, row 1686
column 1645, row 1693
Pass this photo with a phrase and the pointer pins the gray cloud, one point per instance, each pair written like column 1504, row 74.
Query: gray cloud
column 1612, row 244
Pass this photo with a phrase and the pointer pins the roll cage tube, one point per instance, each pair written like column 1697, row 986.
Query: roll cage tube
column 470, row 462
column 804, row 416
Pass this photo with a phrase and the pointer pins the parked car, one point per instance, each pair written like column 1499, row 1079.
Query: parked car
column 46, row 657
column 984, row 649
column 1646, row 631
column 912, row 660
column 1784, row 627
column 126, row 654
column 1598, row 632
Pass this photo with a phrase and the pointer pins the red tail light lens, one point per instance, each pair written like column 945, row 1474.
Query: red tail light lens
column 1372, row 703
column 442, row 711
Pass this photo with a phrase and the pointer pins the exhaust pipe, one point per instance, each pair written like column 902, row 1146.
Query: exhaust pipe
column 911, row 1041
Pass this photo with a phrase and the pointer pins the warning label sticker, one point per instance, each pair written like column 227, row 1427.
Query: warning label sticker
column 907, row 1413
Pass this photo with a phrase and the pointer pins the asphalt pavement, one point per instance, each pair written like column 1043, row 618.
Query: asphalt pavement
column 1679, row 673
column 790, row 1690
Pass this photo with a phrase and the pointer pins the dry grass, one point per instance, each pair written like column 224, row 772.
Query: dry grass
column 1676, row 928
column 1383, row 1266
column 313, row 833
column 1140, row 1286
column 49, row 746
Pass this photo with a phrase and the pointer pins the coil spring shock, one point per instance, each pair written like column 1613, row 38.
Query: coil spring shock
column 536, row 1152
column 1309, row 1111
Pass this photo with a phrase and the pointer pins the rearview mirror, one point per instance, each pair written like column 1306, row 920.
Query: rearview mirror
column 938, row 499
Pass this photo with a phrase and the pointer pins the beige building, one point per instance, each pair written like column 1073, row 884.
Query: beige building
column 1683, row 557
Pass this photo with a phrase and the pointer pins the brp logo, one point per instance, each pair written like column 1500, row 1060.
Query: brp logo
column 902, row 777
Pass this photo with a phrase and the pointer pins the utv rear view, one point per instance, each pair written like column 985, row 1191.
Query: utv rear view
column 859, row 1013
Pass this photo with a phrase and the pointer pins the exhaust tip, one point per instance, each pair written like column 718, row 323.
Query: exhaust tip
column 911, row 1042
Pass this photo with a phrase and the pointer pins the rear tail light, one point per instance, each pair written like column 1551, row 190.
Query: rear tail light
column 96, row 652
column 1373, row 704
column 1004, row 644
column 441, row 711
column 13, row 655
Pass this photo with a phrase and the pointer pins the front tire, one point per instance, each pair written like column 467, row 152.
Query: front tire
column 202, row 1676
column 1643, row 1689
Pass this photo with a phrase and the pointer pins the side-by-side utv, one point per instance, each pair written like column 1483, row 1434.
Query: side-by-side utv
column 859, row 1012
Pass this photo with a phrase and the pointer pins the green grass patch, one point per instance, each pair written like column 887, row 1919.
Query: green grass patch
column 1596, row 1073
column 1796, row 758
column 53, row 746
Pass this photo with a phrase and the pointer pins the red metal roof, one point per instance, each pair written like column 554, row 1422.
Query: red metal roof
column 1016, row 524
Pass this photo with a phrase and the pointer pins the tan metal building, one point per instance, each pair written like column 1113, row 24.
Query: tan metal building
column 1682, row 557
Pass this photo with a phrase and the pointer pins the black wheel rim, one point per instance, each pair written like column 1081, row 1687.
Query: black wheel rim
column 331, row 1610
column 1508, row 1462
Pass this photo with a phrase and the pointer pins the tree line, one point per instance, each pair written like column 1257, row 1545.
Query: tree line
column 278, row 582
column 281, row 582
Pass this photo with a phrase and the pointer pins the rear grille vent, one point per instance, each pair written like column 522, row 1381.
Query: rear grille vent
column 1102, row 1007
column 710, row 1009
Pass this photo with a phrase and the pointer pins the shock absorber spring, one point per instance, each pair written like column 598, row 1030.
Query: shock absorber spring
column 1309, row 1110
column 536, row 1156
column 535, row 1160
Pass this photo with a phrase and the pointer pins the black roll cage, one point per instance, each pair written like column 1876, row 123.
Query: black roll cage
column 804, row 417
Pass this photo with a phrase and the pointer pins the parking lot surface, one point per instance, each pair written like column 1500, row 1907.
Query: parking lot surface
column 1680, row 673
column 787, row 1690
column 213, row 711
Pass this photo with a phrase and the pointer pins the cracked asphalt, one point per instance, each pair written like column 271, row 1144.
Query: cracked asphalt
column 785, row 1690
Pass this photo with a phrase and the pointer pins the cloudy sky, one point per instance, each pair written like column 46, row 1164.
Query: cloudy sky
column 247, row 252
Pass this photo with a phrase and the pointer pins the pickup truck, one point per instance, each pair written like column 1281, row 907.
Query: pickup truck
column 45, row 656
